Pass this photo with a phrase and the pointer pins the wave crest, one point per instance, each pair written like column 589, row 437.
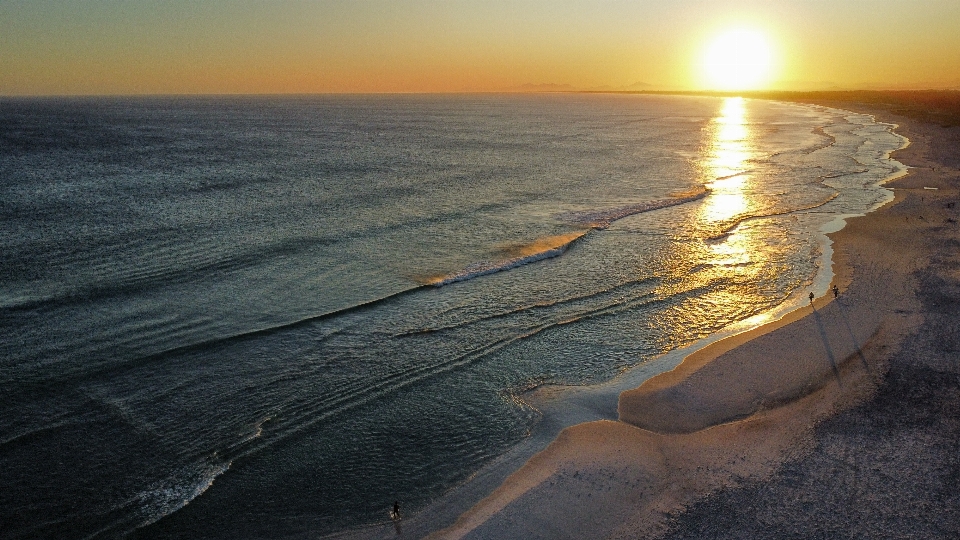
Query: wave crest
column 553, row 246
column 542, row 248
column 601, row 219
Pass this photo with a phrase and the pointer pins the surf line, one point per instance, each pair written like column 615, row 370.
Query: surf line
column 554, row 246
column 543, row 248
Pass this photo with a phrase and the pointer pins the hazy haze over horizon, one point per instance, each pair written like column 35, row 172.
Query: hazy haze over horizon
column 286, row 46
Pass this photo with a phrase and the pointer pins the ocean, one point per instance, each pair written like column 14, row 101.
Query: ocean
column 240, row 317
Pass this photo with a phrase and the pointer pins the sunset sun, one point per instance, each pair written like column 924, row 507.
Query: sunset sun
column 738, row 59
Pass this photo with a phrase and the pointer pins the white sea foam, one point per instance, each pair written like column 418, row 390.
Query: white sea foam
column 173, row 493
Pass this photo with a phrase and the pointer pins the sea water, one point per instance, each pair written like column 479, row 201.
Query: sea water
column 262, row 316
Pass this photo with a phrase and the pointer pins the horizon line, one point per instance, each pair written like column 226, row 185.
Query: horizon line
column 492, row 92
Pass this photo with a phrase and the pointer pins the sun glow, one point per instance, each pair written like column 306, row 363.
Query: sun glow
column 739, row 59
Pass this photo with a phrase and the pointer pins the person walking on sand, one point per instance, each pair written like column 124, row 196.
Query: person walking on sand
column 396, row 510
column 836, row 292
column 811, row 298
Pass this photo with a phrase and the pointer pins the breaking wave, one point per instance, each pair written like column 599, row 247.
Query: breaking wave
column 554, row 246
column 601, row 219
column 543, row 248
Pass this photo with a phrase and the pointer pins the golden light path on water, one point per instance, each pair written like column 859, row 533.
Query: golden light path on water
column 725, row 163
column 726, row 173
column 733, row 264
column 737, row 251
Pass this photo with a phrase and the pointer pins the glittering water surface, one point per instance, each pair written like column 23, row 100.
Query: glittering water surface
column 237, row 317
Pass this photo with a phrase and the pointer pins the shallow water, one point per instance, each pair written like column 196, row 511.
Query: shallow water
column 222, row 316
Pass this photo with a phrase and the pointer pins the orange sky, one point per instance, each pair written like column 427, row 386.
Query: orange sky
column 302, row 46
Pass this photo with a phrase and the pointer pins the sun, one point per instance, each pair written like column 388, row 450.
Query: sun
column 738, row 59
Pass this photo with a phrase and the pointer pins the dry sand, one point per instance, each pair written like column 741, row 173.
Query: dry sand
column 842, row 420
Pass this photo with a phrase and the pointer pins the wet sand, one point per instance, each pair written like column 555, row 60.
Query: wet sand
column 841, row 420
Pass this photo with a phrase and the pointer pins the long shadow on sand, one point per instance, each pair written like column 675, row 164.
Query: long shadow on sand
column 846, row 323
column 826, row 344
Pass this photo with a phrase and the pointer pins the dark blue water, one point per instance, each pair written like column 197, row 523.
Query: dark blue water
column 219, row 317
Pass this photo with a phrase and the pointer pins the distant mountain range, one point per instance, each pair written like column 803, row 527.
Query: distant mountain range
column 553, row 87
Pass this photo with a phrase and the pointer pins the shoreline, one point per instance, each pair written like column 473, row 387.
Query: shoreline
column 661, row 466
column 884, row 467
column 613, row 479
column 578, row 424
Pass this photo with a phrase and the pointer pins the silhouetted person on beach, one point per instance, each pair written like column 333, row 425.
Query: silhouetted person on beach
column 395, row 516
column 811, row 298
column 836, row 292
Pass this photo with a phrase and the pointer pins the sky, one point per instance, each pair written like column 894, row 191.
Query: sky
column 73, row 47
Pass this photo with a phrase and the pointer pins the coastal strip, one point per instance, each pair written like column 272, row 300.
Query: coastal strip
column 729, row 412
column 718, row 422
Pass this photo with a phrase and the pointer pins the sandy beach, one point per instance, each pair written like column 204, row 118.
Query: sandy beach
column 840, row 420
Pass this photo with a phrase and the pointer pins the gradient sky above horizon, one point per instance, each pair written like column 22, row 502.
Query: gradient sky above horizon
column 300, row 46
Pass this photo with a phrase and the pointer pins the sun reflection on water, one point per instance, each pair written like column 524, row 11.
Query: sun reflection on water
column 728, row 265
column 725, row 164
column 738, row 266
column 726, row 169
